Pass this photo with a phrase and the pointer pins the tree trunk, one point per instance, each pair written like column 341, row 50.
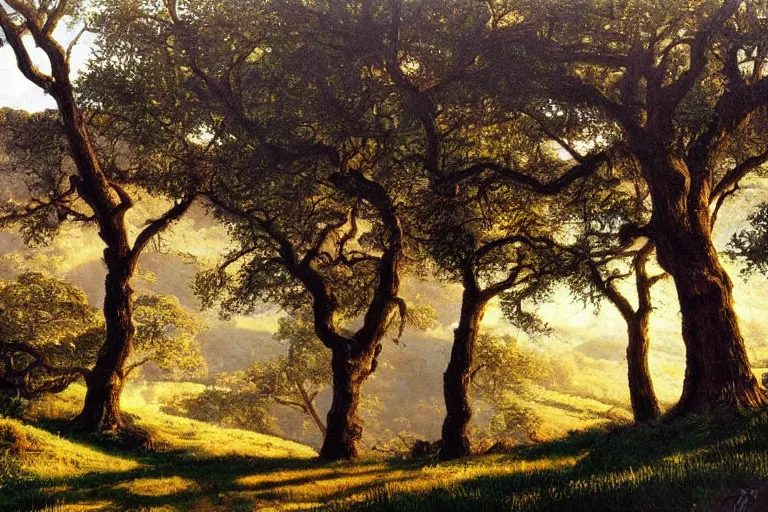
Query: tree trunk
column 717, row 371
column 645, row 406
column 343, row 429
column 101, row 410
column 455, row 436
column 107, row 200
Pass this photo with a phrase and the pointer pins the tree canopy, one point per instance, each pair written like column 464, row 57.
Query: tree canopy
column 510, row 147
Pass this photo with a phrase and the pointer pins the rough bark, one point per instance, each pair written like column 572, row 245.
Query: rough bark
column 101, row 409
column 108, row 201
column 717, row 373
column 645, row 405
column 456, row 379
column 354, row 357
column 343, row 428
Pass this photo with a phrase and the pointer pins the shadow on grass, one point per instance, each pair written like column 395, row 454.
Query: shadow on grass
column 673, row 464
column 203, row 478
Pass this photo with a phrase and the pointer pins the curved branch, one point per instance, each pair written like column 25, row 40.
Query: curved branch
column 158, row 225
column 588, row 166
column 13, row 35
column 385, row 296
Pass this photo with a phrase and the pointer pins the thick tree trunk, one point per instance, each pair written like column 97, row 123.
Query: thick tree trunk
column 343, row 429
column 456, row 379
column 717, row 372
column 645, row 406
column 101, row 410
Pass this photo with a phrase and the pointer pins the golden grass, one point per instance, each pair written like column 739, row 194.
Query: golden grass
column 51, row 456
column 158, row 486
column 309, row 488
column 194, row 437
column 208, row 468
column 203, row 439
column 563, row 412
column 191, row 485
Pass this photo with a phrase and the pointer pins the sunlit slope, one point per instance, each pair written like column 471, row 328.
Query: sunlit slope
column 44, row 454
column 564, row 412
column 175, row 433
column 693, row 464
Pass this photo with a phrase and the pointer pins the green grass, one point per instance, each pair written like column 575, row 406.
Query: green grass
column 691, row 464
column 682, row 465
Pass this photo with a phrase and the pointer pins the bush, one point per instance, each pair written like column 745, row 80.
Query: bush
column 12, row 405
column 14, row 443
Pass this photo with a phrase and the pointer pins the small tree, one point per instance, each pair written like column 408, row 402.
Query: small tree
column 41, row 325
column 245, row 399
column 501, row 377
column 50, row 335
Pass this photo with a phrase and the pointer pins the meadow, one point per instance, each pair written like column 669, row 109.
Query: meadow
column 691, row 464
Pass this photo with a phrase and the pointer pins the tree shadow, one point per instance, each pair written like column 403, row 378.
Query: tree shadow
column 564, row 491
column 209, row 477
column 617, row 467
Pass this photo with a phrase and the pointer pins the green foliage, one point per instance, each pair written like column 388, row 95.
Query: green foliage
column 501, row 379
column 12, row 405
column 230, row 403
column 166, row 334
column 751, row 245
column 54, row 317
column 247, row 399
column 37, row 197
column 421, row 316
column 42, row 325
column 44, row 311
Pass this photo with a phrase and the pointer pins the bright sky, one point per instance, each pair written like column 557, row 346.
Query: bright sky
column 17, row 92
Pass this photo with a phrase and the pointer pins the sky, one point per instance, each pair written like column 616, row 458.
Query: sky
column 17, row 92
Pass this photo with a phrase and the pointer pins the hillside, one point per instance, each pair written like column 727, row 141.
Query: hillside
column 671, row 466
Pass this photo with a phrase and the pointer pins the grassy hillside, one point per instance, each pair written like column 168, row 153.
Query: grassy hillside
column 675, row 466
column 693, row 464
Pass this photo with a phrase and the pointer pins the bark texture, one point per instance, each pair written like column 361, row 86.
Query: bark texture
column 101, row 410
column 354, row 357
column 645, row 405
column 456, row 379
column 717, row 372
column 107, row 200
column 344, row 429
